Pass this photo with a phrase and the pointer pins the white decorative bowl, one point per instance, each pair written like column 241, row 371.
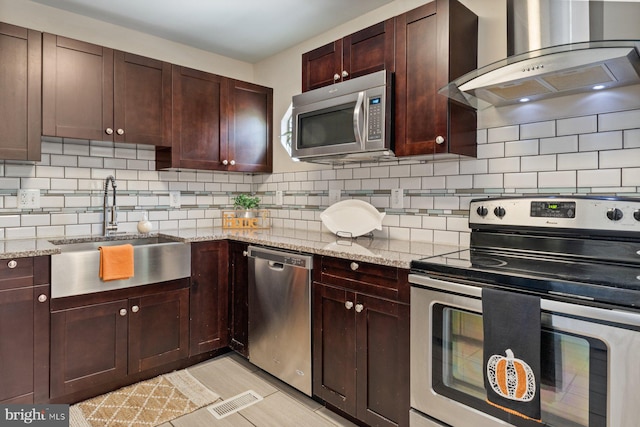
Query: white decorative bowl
column 352, row 218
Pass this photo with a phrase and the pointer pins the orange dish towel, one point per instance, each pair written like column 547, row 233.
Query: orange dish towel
column 116, row 262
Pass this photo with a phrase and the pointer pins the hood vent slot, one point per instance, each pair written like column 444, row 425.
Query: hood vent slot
column 562, row 69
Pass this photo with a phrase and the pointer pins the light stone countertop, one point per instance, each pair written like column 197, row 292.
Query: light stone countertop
column 395, row 253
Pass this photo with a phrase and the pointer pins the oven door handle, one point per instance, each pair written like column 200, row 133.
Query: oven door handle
column 358, row 120
column 621, row 317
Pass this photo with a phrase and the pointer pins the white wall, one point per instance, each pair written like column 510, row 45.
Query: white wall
column 32, row 15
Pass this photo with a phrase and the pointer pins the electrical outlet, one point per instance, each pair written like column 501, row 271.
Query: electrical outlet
column 397, row 198
column 334, row 196
column 279, row 198
column 28, row 199
column 174, row 199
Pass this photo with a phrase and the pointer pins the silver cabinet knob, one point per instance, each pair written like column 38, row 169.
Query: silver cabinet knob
column 439, row 140
column 336, row 77
column 12, row 264
column 108, row 131
column 123, row 312
column 354, row 266
column 225, row 162
column 120, row 131
column 345, row 74
column 348, row 305
column 232, row 162
column 135, row 309
column 42, row 298
column 245, row 253
column 359, row 308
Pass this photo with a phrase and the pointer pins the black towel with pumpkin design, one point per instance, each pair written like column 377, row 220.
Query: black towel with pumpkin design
column 512, row 330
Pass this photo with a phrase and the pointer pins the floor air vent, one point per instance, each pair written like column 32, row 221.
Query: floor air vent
column 234, row 404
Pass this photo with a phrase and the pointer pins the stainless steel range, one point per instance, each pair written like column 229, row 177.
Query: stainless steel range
column 581, row 257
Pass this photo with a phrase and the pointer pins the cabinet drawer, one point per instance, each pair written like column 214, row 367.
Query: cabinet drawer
column 16, row 273
column 381, row 280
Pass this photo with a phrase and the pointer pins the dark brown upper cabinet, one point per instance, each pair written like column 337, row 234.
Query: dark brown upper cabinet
column 93, row 92
column 435, row 43
column 20, row 86
column 357, row 54
column 219, row 124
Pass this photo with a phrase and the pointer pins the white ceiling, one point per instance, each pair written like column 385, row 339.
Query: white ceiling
column 247, row 30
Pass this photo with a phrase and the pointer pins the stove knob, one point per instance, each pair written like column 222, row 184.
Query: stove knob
column 499, row 212
column 483, row 211
column 614, row 214
column 636, row 215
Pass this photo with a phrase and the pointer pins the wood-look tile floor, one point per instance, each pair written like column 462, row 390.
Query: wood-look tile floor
column 283, row 406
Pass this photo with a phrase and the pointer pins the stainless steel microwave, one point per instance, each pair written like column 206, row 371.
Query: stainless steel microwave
column 346, row 121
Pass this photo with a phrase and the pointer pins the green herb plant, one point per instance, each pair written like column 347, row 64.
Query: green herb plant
column 245, row 201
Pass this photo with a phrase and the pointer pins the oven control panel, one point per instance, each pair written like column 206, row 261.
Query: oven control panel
column 592, row 213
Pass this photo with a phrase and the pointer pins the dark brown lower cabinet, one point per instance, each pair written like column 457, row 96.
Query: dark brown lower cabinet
column 239, row 297
column 24, row 328
column 209, row 297
column 361, row 352
column 101, row 339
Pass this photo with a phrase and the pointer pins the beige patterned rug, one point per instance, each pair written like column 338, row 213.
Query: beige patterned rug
column 147, row 403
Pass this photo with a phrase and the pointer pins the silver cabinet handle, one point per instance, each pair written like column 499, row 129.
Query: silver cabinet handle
column 42, row 298
column 232, row 162
column 345, row 74
column 108, row 131
column 359, row 308
column 225, row 162
column 120, row 131
column 354, row 266
column 135, row 309
column 439, row 140
column 123, row 312
column 336, row 77
column 245, row 253
column 12, row 264
column 348, row 305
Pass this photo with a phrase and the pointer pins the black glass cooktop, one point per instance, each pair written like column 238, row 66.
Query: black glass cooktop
column 574, row 277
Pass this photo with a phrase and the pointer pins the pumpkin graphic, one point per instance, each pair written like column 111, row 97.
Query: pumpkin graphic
column 511, row 378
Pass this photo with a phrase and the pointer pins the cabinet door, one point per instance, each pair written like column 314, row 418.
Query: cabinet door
column 320, row 65
column 334, row 356
column 158, row 329
column 250, row 123
column 209, row 296
column 239, row 297
column 199, row 121
column 88, row 346
column 382, row 331
column 142, row 100
column 20, row 103
column 77, row 89
column 16, row 354
column 369, row 50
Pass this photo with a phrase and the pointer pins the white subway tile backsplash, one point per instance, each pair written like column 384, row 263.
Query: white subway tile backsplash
column 561, row 144
column 491, row 151
column 631, row 177
column 578, row 161
column 599, row 178
column 564, row 179
column 600, row 141
column 380, row 172
column 458, row 181
column 537, row 130
column 521, row 180
column 577, row 125
column 447, row 203
column 528, row 147
column 474, row 166
column 619, row 121
column 620, row 158
column 538, row 163
column 488, row 181
column 505, row 133
column 434, row 182
column 631, row 138
column 446, row 168
column 507, row 164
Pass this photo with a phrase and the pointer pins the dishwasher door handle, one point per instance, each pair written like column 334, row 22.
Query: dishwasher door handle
column 278, row 266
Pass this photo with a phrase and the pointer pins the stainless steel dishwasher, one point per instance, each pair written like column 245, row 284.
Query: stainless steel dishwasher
column 280, row 315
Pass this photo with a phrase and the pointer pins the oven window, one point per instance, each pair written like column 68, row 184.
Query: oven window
column 573, row 368
column 330, row 126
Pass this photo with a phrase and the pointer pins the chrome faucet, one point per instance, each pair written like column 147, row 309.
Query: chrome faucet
column 112, row 224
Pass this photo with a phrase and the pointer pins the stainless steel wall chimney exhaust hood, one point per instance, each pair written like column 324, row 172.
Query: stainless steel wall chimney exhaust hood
column 556, row 48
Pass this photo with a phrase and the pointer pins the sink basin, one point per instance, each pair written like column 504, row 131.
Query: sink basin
column 157, row 259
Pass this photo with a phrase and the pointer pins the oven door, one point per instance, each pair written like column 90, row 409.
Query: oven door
column 589, row 356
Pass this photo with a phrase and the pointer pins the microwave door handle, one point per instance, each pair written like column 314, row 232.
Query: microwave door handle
column 358, row 113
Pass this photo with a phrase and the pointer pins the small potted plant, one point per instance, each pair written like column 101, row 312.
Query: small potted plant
column 246, row 203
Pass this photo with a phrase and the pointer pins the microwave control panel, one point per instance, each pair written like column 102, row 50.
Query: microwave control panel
column 375, row 121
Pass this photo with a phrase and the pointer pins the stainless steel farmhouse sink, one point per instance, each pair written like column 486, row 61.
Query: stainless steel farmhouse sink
column 75, row 270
